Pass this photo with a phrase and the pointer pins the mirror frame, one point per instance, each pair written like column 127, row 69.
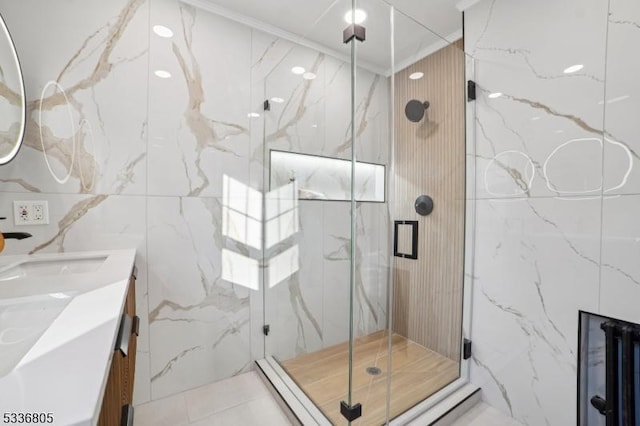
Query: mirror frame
column 18, row 143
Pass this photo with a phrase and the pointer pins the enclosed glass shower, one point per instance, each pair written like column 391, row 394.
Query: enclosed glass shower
column 363, row 161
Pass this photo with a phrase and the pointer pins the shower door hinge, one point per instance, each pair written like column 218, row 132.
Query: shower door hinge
column 466, row 349
column 266, row 329
column 266, row 105
column 471, row 90
column 350, row 412
column 354, row 31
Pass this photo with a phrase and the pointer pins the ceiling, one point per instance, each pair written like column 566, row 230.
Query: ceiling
column 421, row 26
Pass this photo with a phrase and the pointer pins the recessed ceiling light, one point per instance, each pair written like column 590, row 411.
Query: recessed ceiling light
column 298, row 70
column 495, row 95
column 162, row 73
column 309, row 76
column 315, row 126
column 416, row 75
column 355, row 17
column 162, row 31
column 277, row 100
column 573, row 68
column 253, row 115
column 535, row 118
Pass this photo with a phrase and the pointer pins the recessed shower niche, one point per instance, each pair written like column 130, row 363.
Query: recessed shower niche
column 325, row 178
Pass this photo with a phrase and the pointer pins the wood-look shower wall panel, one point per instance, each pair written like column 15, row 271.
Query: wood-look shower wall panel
column 430, row 159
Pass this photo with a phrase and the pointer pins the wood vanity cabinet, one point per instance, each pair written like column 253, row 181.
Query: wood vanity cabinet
column 117, row 404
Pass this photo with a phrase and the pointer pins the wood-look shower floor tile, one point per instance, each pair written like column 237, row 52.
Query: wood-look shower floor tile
column 416, row 373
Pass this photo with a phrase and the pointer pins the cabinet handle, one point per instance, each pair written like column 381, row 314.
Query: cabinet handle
column 127, row 415
column 124, row 333
column 136, row 325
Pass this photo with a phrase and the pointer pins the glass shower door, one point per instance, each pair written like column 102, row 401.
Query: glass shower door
column 326, row 252
column 372, row 143
column 307, row 241
column 426, row 318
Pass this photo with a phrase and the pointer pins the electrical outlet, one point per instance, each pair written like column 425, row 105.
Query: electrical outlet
column 31, row 212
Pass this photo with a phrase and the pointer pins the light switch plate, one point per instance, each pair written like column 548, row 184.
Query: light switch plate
column 31, row 212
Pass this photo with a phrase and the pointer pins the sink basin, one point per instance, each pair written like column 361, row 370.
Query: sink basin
column 49, row 267
column 23, row 321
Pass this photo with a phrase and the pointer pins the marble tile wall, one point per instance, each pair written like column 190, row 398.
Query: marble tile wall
column 172, row 166
column 556, row 197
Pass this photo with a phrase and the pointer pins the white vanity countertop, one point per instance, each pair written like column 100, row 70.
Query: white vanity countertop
column 64, row 373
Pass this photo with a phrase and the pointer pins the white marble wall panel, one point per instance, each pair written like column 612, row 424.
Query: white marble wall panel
column 622, row 150
column 620, row 288
column 298, row 123
column 336, row 251
column 310, row 310
column 294, row 306
column 539, row 129
column 371, row 270
column 372, row 113
column 198, row 117
column 199, row 323
column 536, row 266
column 100, row 61
column 372, row 267
column 315, row 117
column 266, row 53
column 541, row 143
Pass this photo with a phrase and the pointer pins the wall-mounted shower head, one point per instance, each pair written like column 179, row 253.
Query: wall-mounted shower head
column 415, row 110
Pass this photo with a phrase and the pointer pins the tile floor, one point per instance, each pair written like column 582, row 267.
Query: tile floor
column 244, row 400
column 485, row 415
column 238, row 401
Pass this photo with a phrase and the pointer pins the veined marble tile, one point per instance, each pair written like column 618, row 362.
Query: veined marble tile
column 315, row 115
column 94, row 140
column 142, row 380
column 620, row 286
column 298, row 123
column 536, row 266
column 372, row 267
column 199, row 321
column 267, row 51
column 622, row 150
column 336, row 243
column 538, row 129
column 294, row 305
column 80, row 222
column 372, row 113
column 371, row 270
column 199, row 119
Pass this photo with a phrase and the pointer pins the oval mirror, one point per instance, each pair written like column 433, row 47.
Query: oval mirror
column 13, row 106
